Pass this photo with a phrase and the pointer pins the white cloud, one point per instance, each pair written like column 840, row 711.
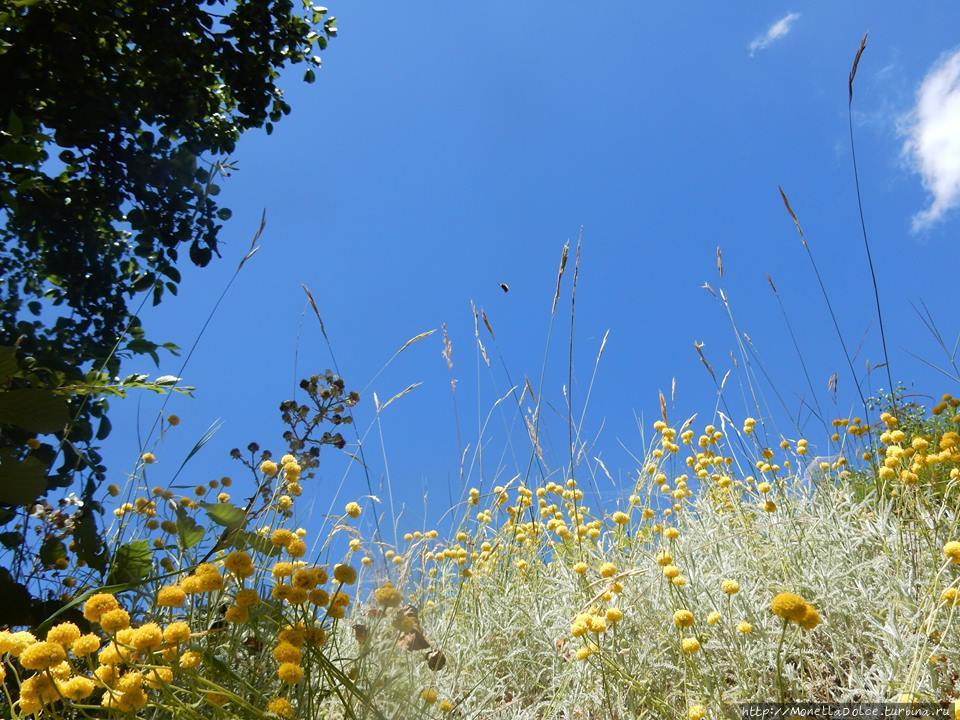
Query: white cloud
column 932, row 145
column 776, row 31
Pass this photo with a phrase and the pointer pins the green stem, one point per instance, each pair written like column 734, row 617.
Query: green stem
column 783, row 634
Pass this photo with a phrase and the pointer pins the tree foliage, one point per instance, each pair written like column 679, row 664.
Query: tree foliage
column 117, row 120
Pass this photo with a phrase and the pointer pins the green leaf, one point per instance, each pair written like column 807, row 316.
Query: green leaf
column 143, row 282
column 103, row 430
column 226, row 514
column 19, row 153
column 189, row 530
column 172, row 273
column 21, row 482
column 132, row 563
column 34, row 410
column 10, row 539
column 51, row 551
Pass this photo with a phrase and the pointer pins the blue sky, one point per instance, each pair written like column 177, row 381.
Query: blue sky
column 442, row 151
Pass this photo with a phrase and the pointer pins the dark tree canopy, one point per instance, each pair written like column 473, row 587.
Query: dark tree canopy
column 117, row 114
column 117, row 117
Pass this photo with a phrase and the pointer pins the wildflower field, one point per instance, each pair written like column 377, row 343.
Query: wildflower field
column 743, row 567
column 749, row 561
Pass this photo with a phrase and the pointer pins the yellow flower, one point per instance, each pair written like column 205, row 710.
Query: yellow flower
column 608, row 569
column 147, row 637
column 320, row 597
column 445, row 706
column 148, row 458
column 810, row 619
column 63, row 634
column 620, row 518
column 306, row 578
column 247, row 598
column 789, row 606
column 174, row 420
column 792, row 607
column 952, row 552
column 664, row 558
column 730, row 587
column 353, row 509
column 388, row 596
column 345, row 574
column 158, row 677
column 690, row 645
column 281, row 537
column 584, row 652
column 85, row 645
column 113, row 654
column 282, row 570
column 285, row 652
column 428, row 695
column 713, row 618
column 269, row 468
column 744, row 628
column 580, row 568
column 239, row 563
column 280, row 707
column 236, row 614
column 697, row 712
column 671, row 533
column 171, row 596
column 671, row 571
column 291, row 635
column 42, row 655
column 683, row 618
column 97, row 605
column 190, row 660
column 297, row 548
column 15, row 643
column 76, row 688
column 614, row 615
column 315, row 635
column 114, row 620
column 107, row 674
column 290, row 673
column 176, row 632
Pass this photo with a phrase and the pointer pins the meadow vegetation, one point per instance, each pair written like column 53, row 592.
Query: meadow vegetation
column 743, row 565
